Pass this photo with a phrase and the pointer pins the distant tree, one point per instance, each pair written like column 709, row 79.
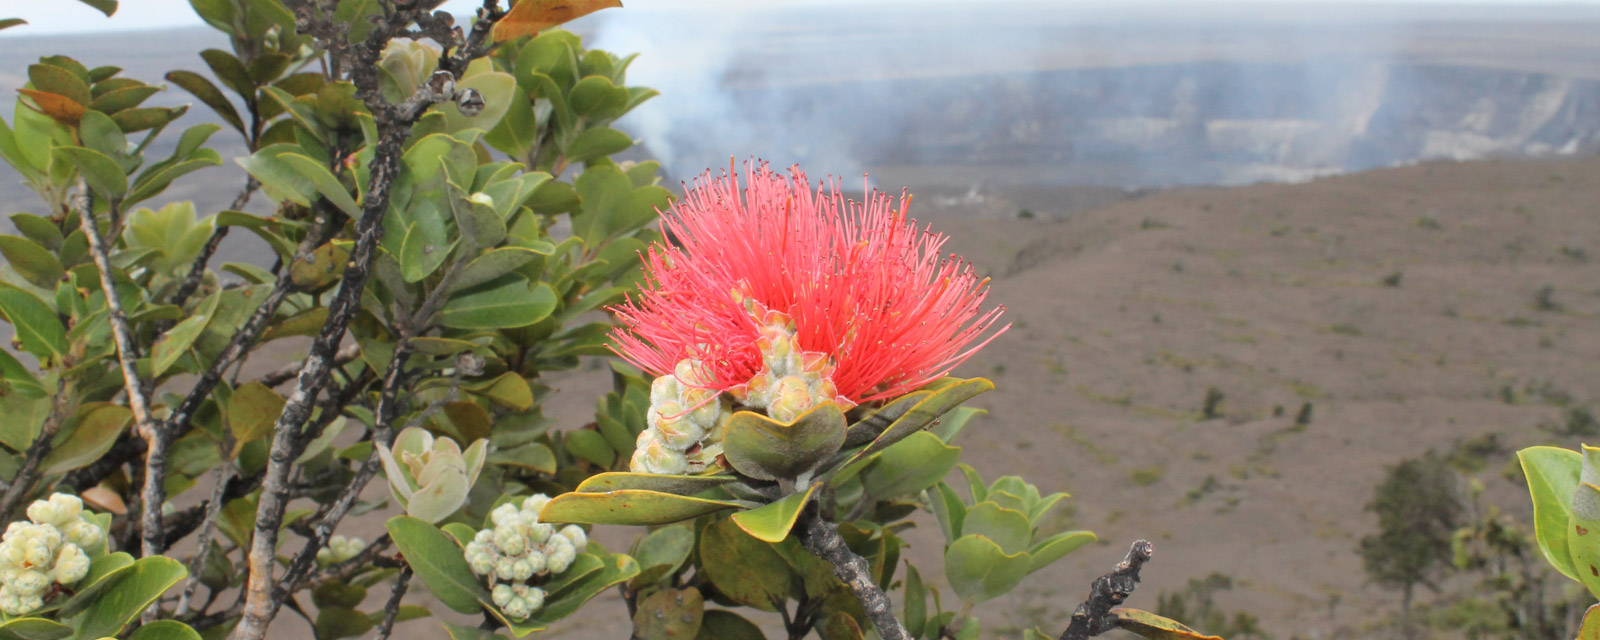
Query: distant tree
column 1419, row 506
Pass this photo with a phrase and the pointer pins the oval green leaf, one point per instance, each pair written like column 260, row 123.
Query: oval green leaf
column 629, row 507
column 438, row 560
column 772, row 522
column 1552, row 474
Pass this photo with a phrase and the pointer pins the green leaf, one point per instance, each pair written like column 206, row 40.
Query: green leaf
column 252, row 410
column 514, row 135
column 107, row 7
column 465, row 632
column 98, row 426
column 681, row 485
column 893, row 423
column 140, row 119
column 18, row 376
column 1552, row 481
column 1008, row 528
column 209, row 94
column 494, row 264
column 916, row 601
column 37, row 327
column 33, row 629
column 7, row 23
column 422, row 250
column 718, row 624
column 589, row 445
column 915, row 463
column 615, row 568
column 341, row 622
column 596, row 142
column 772, row 522
column 504, row 303
column 508, row 390
column 180, row 337
column 746, row 570
column 766, row 449
column 479, row 224
column 979, row 570
column 629, row 507
column 1156, row 627
column 669, row 614
column 151, row 184
column 230, row 71
column 111, row 102
column 118, row 599
column 596, row 97
column 34, row 263
column 165, row 630
column 320, row 268
column 326, row 184
column 101, row 172
column 662, row 552
column 533, row 456
column 439, row 562
column 278, row 178
column 59, row 80
column 1057, row 546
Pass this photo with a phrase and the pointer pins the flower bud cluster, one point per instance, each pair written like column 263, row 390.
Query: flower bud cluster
column 48, row 549
column 684, row 432
column 792, row 380
column 519, row 552
column 340, row 549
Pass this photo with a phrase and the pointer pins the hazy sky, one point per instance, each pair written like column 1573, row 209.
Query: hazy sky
column 69, row 16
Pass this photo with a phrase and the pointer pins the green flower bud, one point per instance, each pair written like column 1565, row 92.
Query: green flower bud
column 72, row 564
column 517, row 608
column 534, row 504
column 31, row 581
column 521, row 570
column 790, row 398
column 502, row 595
column 38, row 554
column 534, row 596
column 11, row 603
column 509, row 541
column 536, row 561
column 504, row 514
column 576, row 535
column 559, row 554
column 651, row 455
column 42, row 512
column 85, row 534
column 505, row 568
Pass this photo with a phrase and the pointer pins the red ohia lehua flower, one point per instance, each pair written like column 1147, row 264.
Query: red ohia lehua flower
column 786, row 298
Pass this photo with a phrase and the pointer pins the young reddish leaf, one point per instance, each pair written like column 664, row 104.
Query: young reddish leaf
column 532, row 16
column 59, row 107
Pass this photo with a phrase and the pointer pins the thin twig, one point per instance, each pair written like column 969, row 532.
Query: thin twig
column 154, row 493
column 383, row 434
column 1094, row 617
column 197, row 564
column 822, row 538
column 197, row 270
column 290, row 371
column 22, row 484
column 392, row 609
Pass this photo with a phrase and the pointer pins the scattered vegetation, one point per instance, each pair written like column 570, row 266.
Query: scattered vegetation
column 1195, row 606
column 1419, row 508
column 1211, row 408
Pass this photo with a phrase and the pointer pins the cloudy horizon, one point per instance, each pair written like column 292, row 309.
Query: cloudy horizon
column 60, row 17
